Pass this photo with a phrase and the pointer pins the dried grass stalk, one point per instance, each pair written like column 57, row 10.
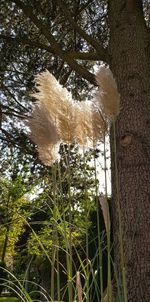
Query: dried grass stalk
column 105, row 210
column 79, row 287
column 107, row 95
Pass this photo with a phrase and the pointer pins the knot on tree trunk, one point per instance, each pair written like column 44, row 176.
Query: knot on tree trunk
column 126, row 140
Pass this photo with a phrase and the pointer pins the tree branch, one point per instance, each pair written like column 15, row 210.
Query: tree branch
column 24, row 41
column 54, row 44
column 89, row 56
column 94, row 43
column 11, row 111
column 84, row 6
column 5, row 88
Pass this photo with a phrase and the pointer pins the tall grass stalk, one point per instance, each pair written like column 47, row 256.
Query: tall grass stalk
column 19, row 290
column 87, row 262
column 123, row 269
column 109, row 287
column 98, row 233
column 54, row 251
column 17, row 287
column 69, row 256
column 79, row 287
column 67, row 237
column 54, row 232
column 86, row 235
column 58, row 275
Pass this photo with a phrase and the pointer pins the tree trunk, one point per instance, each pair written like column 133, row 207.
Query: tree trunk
column 130, row 63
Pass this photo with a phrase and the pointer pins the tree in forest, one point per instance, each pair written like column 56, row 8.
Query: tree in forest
column 68, row 38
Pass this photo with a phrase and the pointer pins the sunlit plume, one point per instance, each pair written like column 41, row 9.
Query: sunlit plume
column 99, row 126
column 84, row 123
column 107, row 96
column 43, row 131
column 49, row 155
column 51, row 93
column 57, row 118
column 67, row 121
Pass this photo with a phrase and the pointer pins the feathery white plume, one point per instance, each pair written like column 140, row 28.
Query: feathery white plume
column 49, row 154
column 58, row 118
column 43, row 133
column 83, row 123
column 51, row 93
column 107, row 96
column 53, row 118
column 99, row 125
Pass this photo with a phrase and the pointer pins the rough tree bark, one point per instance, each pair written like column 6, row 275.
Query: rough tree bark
column 130, row 63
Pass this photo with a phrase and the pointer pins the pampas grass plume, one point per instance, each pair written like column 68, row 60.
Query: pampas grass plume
column 58, row 118
column 99, row 125
column 107, row 96
column 84, row 123
column 49, row 155
column 43, row 133
column 52, row 119
column 67, row 122
column 50, row 93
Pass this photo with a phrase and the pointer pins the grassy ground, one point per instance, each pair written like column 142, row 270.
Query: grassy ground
column 8, row 299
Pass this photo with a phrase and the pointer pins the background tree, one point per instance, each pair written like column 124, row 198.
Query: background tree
column 68, row 38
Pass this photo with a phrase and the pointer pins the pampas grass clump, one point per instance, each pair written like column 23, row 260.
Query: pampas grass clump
column 57, row 118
